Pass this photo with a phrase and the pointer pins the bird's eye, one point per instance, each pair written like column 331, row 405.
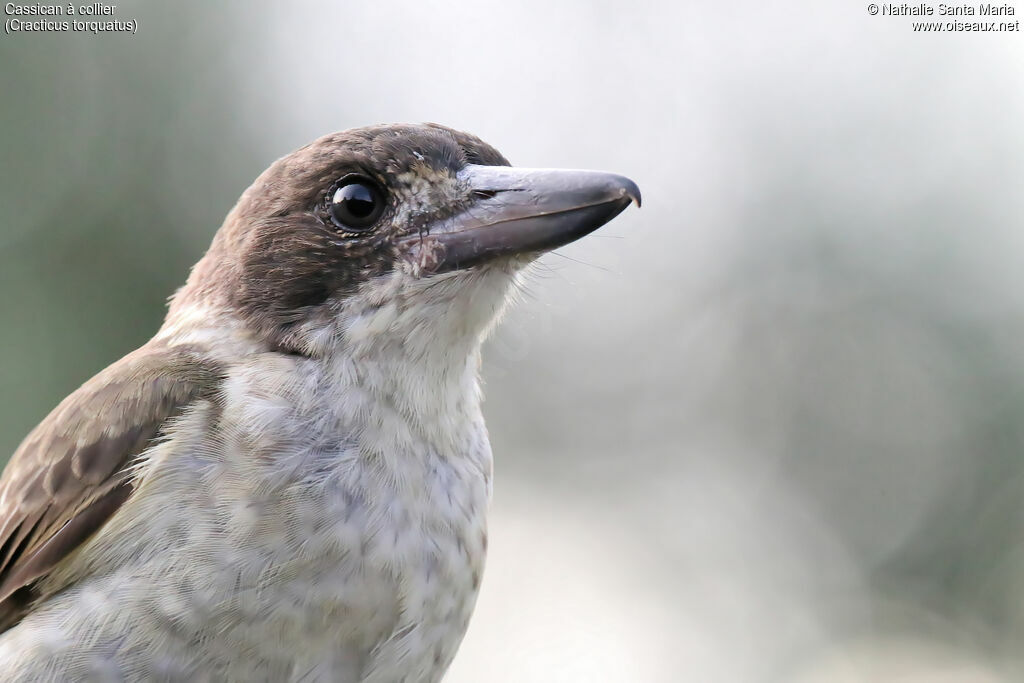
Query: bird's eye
column 356, row 203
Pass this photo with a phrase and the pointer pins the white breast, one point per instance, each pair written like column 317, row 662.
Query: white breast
column 324, row 520
column 325, row 532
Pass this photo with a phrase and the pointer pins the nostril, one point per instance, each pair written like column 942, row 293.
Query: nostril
column 490, row 194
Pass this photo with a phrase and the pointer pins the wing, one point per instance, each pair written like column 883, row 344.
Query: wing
column 70, row 474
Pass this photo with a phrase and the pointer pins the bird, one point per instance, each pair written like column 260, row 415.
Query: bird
column 290, row 480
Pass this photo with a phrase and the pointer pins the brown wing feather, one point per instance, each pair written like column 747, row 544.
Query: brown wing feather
column 69, row 475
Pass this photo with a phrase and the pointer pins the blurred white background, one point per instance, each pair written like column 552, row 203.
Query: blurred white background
column 767, row 428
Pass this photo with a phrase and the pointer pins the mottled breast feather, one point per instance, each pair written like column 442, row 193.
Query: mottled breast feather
column 71, row 473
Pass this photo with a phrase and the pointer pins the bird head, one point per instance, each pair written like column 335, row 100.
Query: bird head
column 388, row 227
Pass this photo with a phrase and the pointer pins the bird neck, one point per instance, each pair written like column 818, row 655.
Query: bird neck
column 412, row 342
column 418, row 341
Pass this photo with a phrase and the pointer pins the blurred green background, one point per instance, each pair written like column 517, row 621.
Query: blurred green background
column 768, row 428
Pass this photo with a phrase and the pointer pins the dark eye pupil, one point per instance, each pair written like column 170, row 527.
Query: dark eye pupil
column 357, row 199
column 356, row 205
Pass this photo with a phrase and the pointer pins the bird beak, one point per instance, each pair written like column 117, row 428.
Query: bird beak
column 520, row 211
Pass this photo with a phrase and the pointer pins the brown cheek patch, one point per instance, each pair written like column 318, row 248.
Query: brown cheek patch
column 295, row 265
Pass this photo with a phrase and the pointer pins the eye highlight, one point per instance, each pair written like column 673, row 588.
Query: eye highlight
column 355, row 203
